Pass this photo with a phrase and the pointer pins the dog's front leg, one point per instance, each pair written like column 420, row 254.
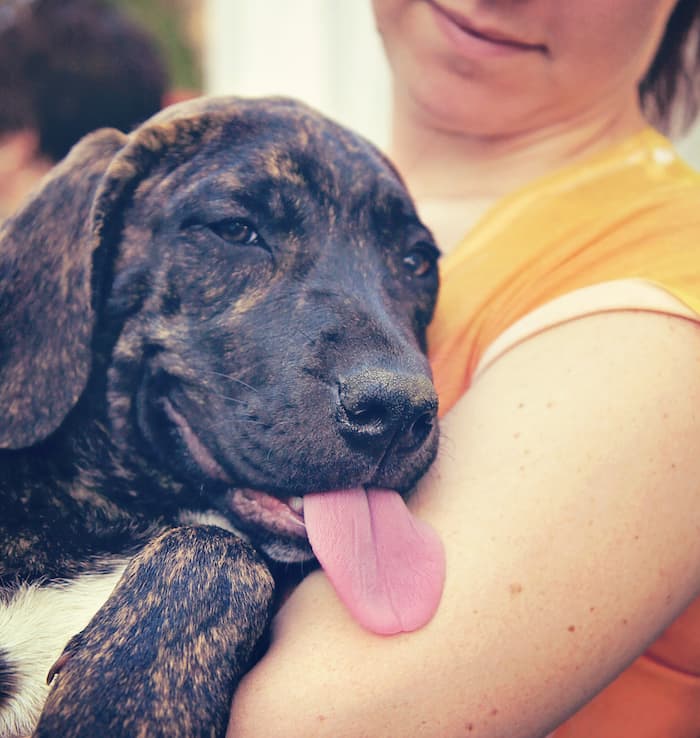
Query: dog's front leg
column 162, row 657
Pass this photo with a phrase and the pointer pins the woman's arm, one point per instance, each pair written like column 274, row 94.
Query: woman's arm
column 567, row 494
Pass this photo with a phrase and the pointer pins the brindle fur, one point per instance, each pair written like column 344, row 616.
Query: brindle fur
column 118, row 288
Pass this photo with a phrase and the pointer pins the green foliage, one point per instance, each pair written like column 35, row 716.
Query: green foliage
column 168, row 21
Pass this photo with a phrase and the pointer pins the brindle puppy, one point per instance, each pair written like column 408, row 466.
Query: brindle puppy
column 199, row 323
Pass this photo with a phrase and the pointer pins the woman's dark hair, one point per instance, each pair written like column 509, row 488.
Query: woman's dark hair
column 670, row 91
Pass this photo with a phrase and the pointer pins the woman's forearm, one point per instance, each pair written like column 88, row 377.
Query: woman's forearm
column 566, row 496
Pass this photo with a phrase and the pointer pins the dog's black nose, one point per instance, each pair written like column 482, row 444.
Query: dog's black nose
column 379, row 407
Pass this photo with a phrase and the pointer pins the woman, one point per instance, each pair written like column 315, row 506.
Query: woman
column 566, row 349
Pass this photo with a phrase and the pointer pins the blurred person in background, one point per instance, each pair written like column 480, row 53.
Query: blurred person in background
column 68, row 67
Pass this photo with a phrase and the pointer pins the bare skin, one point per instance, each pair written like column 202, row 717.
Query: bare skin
column 21, row 168
column 461, row 143
column 523, row 637
column 566, row 487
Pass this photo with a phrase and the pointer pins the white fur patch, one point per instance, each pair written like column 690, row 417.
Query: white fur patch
column 36, row 623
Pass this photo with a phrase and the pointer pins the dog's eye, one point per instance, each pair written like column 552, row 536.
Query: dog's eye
column 236, row 230
column 421, row 259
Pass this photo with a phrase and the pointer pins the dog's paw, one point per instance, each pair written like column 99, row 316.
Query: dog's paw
column 164, row 654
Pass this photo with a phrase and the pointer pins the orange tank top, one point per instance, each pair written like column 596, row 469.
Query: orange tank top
column 632, row 211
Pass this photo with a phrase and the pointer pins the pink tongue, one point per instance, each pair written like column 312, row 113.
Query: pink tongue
column 386, row 566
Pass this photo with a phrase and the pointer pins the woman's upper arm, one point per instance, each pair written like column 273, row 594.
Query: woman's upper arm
column 567, row 494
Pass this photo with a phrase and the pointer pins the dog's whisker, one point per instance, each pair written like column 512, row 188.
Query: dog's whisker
column 216, row 393
column 230, row 399
column 230, row 377
column 254, row 421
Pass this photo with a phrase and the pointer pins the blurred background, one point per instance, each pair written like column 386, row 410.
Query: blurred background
column 325, row 52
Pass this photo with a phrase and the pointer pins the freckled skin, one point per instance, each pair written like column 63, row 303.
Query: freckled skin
column 124, row 292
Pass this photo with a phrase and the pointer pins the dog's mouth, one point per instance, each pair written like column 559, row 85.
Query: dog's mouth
column 385, row 565
column 283, row 517
column 253, row 509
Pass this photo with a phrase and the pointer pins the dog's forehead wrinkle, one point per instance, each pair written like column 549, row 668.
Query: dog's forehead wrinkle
column 280, row 165
column 310, row 158
column 166, row 202
column 383, row 217
column 272, row 206
column 299, row 180
column 192, row 182
column 314, row 151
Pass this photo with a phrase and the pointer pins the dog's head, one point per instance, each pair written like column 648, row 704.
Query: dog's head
column 252, row 285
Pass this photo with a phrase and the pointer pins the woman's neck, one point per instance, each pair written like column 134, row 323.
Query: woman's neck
column 456, row 177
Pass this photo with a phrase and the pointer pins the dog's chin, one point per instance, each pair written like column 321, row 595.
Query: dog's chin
column 273, row 524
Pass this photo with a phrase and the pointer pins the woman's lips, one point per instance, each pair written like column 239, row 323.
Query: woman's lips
column 477, row 41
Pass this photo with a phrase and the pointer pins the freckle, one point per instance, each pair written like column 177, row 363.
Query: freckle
column 624, row 621
column 591, row 609
column 521, row 405
column 571, row 628
column 516, row 589
column 516, row 435
column 475, row 612
column 550, row 404
column 470, row 727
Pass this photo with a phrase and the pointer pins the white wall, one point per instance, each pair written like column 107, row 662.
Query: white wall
column 690, row 147
column 325, row 52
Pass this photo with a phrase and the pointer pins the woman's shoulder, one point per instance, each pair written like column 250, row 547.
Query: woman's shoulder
column 637, row 178
column 620, row 295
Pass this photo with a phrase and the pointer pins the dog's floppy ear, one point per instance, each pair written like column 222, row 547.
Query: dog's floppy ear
column 56, row 259
column 46, row 310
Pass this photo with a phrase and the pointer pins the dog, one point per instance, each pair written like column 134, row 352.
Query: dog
column 209, row 329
